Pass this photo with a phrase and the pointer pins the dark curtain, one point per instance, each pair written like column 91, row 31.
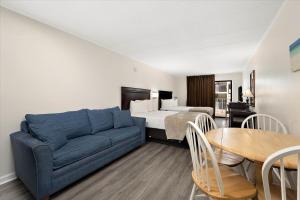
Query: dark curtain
column 201, row 90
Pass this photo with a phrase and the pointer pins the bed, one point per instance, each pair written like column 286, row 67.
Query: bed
column 129, row 94
column 155, row 120
column 166, row 97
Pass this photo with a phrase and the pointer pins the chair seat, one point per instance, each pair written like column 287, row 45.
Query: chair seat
column 227, row 158
column 235, row 186
column 276, row 193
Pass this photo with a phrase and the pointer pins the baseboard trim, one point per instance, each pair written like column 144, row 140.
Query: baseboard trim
column 7, row 178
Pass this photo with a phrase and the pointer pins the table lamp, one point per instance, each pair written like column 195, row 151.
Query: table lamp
column 248, row 94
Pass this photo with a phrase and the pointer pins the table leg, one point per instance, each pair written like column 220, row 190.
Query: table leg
column 259, row 182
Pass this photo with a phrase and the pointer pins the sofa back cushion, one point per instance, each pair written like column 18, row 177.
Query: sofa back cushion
column 102, row 119
column 122, row 119
column 24, row 127
column 50, row 133
column 73, row 123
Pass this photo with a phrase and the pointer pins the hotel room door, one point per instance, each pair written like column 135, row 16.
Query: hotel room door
column 223, row 96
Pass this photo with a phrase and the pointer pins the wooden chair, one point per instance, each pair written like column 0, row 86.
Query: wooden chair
column 218, row 182
column 266, row 123
column 206, row 123
column 274, row 190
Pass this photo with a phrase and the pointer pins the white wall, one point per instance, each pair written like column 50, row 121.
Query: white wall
column 277, row 87
column 237, row 81
column 181, row 90
column 45, row 70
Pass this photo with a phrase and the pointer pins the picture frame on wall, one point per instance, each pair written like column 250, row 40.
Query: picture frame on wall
column 295, row 55
column 252, row 88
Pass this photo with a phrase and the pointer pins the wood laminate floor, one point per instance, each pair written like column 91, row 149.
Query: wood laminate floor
column 152, row 172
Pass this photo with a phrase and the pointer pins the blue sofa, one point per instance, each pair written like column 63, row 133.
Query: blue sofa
column 54, row 150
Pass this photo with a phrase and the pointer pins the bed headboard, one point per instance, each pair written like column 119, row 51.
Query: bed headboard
column 130, row 94
column 163, row 95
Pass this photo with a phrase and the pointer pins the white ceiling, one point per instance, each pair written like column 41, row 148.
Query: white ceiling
column 180, row 37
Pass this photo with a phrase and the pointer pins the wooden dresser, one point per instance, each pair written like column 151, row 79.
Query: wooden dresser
column 238, row 112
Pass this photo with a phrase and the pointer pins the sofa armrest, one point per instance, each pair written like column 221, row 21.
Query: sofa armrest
column 141, row 123
column 33, row 163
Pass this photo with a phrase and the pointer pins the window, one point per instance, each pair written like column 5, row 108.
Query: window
column 223, row 96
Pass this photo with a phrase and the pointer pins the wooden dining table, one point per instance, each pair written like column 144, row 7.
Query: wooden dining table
column 255, row 145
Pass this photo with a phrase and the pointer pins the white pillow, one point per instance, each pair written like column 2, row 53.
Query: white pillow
column 164, row 103
column 174, row 102
column 138, row 106
column 149, row 105
column 169, row 103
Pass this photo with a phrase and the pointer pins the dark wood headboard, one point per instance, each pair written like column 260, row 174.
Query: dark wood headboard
column 164, row 95
column 130, row 94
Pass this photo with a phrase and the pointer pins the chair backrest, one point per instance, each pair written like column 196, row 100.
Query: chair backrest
column 200, row 152
column 264, row 122
column 205, row 122
column 279, row 156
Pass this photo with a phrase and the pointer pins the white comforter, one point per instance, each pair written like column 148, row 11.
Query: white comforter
column 207, row 110
column 155, row 119
column 176, row 108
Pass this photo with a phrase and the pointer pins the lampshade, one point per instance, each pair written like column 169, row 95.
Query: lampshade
column 154, row 94
column 248, row 93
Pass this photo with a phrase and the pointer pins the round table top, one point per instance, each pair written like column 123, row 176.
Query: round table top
column 254, row 144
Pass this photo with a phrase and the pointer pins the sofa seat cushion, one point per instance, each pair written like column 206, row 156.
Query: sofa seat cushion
column 121, row 134
column 79, row 148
